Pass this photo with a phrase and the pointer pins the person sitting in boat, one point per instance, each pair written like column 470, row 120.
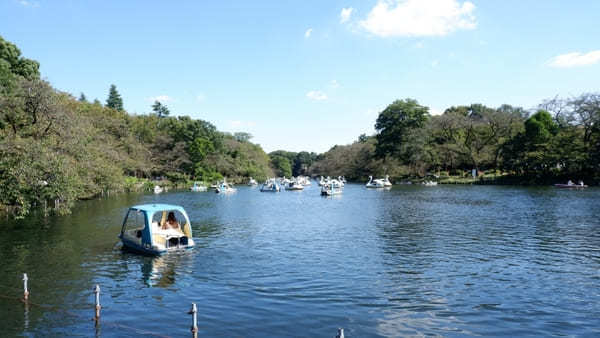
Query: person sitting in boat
column 171, row 222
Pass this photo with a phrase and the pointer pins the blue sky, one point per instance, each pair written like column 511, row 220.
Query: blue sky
column 306, row 75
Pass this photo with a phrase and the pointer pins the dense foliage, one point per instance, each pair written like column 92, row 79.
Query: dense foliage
column 559, row 141
column 287, row 163
column 55, row 149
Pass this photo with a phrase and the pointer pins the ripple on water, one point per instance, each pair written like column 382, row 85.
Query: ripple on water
column 411, row 261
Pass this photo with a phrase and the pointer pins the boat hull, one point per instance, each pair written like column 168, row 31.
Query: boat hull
column 570, row 186
column 135, row 247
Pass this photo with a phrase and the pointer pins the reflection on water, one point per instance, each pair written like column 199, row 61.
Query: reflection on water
column 162, row 271
column 413, row 260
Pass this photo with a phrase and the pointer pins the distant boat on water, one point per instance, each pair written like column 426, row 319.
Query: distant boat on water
column 224, row 188
column 330, row 190
column 158, row 189
column 198, row 187
column 294, row 185
column 571, row 185
column 270, row 185
column 375, row 183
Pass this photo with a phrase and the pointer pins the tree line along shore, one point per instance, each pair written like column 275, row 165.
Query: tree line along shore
column 56, row 148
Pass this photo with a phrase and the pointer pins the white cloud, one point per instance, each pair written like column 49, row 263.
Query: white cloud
column 200, row 97
column 316, row 95
column 29, row 3
column 435, row 63
column 308, row 33
column 419, row 17
column 160, row 98
column 345, row 14
column 575, row 59
column 334, row 84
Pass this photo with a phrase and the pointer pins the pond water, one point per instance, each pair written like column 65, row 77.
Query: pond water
column 413, row 260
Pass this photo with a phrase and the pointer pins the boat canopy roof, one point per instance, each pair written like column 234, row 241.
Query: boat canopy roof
column 152, row 208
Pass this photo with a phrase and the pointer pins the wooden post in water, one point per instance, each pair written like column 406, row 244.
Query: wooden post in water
column 98, row 306
column 194, row 313
column 25, row 291
column 340, row 333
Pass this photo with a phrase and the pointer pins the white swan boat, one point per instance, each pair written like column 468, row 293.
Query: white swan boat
column 270, row 185
column 294, row 185
column 375, row 183
column 252, row 182
column 386, row 181
column 305, row 181
column 198, row 187
column 158, row 189
column 336, row 183
column 224, row 188
column 330, row 190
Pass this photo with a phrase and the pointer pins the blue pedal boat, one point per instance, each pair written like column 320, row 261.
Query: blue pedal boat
column 154, row 229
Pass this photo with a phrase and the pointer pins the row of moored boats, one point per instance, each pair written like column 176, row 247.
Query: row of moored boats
column 329, row 186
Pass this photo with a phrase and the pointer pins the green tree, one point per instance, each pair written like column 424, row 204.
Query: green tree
column 242, row 136
column 302, row 162
column 199, row 149
column 539, row 128
column 160, row 109
column 82, row 98
column 394, row 124
column 114, row 99
column 10, row 56
column 532, row 152
column 282, row 166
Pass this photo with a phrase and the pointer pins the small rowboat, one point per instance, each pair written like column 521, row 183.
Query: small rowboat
column 570, row 186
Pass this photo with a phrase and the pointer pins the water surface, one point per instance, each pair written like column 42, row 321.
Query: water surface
column 445, row 260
